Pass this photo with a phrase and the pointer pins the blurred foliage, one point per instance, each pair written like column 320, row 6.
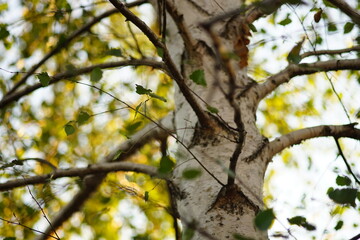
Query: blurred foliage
column 70, row 124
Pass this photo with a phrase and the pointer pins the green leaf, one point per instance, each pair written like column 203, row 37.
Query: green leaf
column 264, row 219
column 348, row 27
column 343, row 196
column 212, row 109
column 240, row 237
column 117, row 155
column 10, row 238
column 294, row 54
column 132, row 127
column 198, row 77
column 17, row 162
column 328, row 4
column 302, row 222
column 343, row 181
column 141, row 90
column 160, row 52
column 96, row 74
column 3, row 7
column 358, row 114
column 157, row 97
column 339, row 225
column 332, row 27
column 285, row 21
column 294, row 58
column 187, row 234
column 166, row 165
column 191, row 173
column 114, row 52
column 4, row 33
column 137, row 109
column 146, row 196
column 69, row 129
column 44, row 78
column 82, row 117
column 252, row 27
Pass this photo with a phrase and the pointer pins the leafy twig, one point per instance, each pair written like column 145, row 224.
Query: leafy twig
column 65, row 42
column 204, row 119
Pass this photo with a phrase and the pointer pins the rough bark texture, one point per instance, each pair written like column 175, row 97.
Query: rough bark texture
column 220, row 208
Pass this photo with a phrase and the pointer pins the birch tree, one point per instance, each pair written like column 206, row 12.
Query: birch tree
column 175, row 131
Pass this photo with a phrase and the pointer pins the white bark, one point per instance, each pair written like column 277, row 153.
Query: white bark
column 203, row 202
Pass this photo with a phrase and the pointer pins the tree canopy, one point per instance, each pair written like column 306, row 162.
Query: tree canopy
column 86, row 144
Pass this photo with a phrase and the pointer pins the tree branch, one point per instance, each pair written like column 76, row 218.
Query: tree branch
column 66, row 42
column 292, row 70
column 252, row 12
column 73, row 73
column 348, row 10
column 296, row 137
column 127, row 149
column 329, row 52
column 99, row 168
column 203, row 118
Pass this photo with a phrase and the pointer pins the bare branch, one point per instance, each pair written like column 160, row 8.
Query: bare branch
column 203, row 118
column 348, row 10
column 66, row 42
column 178, row 18
column 329, row 52
column 73, row 73
column 99, row 168
column 292, row 70
column 296, row 137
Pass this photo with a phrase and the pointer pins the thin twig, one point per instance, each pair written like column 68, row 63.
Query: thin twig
column 40, row 160
column 338, row 97
column 150, row 119
column 135, row 39
column 43, row 213
column 345, row 160
column 24, row 226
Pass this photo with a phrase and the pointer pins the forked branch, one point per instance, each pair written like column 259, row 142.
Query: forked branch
column 203, row 118
column 296, row 137
column 293, row 70
column 9, row 98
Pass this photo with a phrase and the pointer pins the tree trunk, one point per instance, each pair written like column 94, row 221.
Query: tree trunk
column 216, row 203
